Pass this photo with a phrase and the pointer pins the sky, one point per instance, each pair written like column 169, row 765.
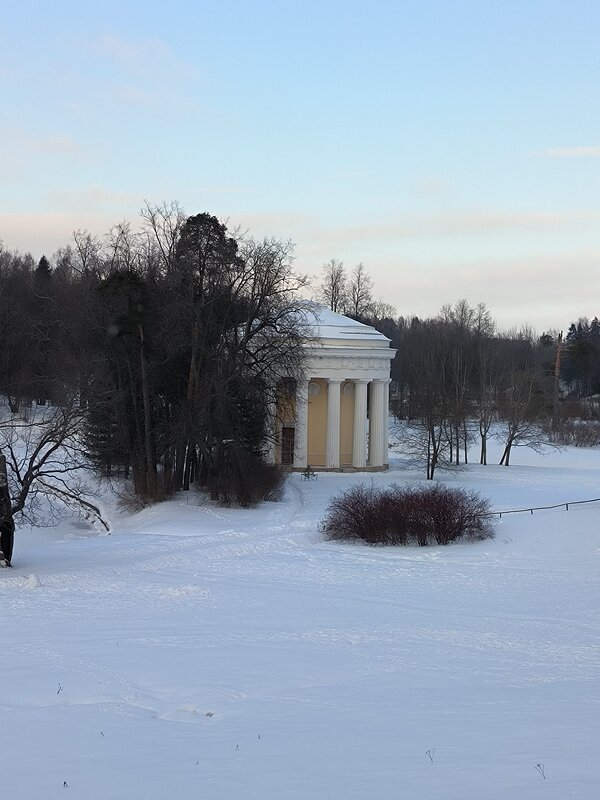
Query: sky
column 453, row 148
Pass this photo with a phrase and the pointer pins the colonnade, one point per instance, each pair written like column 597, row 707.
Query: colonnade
column 374, row 456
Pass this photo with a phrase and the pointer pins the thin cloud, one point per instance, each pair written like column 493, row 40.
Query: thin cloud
column 27, row 143
column 92, row 200
column 7, row 74
column 136, row 56
column 283, row 225
column 141, row 73
column 23, row 153
column 125, row 52
column 466, row 223
column 539, row 290
column 495, row 221
column 150, row 59
column 432, row 185
column 44, row 232
column 592, row 151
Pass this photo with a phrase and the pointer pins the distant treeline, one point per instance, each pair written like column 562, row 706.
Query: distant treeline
column 172, row 339
column 457, row 379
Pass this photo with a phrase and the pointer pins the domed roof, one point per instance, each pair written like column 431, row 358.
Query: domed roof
column 330, row 327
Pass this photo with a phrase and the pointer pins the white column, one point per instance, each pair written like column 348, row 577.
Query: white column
column 359, row 450
column 332, row 449
column 376, row 426
column 301, row 431
column 386, row 423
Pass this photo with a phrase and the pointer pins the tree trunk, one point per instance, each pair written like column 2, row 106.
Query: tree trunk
column 148, row 432
column 457, row 444
column 179, row 467
column 483, row 453
column 187, row 472
column 433, row 449
column 7, row 523
column 556, row 388
column 504, row 461
column 429, row 476
column 14, row 403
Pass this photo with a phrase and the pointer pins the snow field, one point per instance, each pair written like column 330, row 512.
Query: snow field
column 215, row 653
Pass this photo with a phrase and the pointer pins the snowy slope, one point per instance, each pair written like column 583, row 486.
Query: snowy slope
column 210, row 653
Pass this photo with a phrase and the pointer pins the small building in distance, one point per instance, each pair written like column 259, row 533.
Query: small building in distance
column 336, row 418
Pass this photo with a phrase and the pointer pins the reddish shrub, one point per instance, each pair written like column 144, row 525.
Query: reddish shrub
column 355, row 514
column 398, row 515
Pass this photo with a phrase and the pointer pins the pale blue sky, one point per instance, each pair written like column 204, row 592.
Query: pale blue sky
column 452, row 147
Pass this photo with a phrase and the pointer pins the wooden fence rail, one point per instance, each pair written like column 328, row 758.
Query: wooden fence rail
column 542, row 508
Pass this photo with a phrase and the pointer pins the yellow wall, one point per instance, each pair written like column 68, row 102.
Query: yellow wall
column 346, row 424
column 317, row 424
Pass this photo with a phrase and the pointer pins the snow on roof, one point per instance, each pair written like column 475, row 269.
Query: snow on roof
column 327, row 324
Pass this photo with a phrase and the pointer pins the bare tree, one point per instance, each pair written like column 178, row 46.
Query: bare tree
column 172, row 340
column 524, row 399
column 487, row 386
column 429, row 368
column 333, row 289
column 17, row 345
column 239, row 334
column 380, row 310
column 360, row 292
column 42, row 464
column 521, row 409
column 45, row 459
column 88, row 250
column 485, row 372
column 459, row 320
column 128, row 305
column 7, row 523
column 199, row 329
column 556, row 383
column 163, row 224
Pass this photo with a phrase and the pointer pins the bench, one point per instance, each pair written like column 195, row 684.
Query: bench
column 309, row 474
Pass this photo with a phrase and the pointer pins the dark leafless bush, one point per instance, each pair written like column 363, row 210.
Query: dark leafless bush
column 404, row 515
column 246, row 481
column 578, row 408
column 271, row 480
column 455, row 514
column 577, row 432
column 358, row 513
column 129, row 501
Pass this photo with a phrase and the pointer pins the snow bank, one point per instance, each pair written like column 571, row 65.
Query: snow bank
column 226, row 654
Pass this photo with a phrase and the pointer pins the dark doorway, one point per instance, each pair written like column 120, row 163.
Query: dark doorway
column 287, row 446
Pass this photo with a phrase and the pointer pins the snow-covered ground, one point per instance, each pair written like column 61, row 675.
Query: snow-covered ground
column 214, row 653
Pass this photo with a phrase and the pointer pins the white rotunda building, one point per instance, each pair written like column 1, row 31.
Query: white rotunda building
column 337, row 418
